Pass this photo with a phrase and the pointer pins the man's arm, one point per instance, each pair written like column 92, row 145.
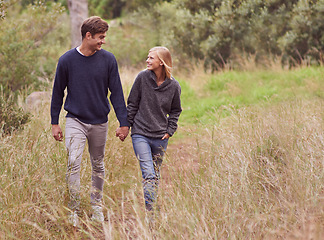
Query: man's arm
column 118, row 101
column 59, row 86
column 117, row 94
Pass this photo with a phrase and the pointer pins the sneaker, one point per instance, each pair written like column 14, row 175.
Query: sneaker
column 150, row 220
column 74, row 219
column 97, row 214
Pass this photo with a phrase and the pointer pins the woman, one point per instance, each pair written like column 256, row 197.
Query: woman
column 153, row 110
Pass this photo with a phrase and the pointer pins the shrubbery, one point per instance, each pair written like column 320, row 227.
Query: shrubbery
column 11, row 116
column 23, row 52
column 220, row 32
column 28, row 54
column 2, row 9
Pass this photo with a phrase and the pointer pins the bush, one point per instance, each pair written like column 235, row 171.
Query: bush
column 12, row 117
column 304, row 42
column 220, row 32
column 106, row 8
column 29, row 50
column 2, row 9
column 22, row 48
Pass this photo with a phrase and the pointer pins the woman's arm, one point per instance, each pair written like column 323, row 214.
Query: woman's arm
column 175, row 112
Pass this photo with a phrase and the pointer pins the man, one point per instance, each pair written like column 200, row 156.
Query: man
column 87, row 72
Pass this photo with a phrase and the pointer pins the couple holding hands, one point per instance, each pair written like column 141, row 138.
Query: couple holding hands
column 88, row 73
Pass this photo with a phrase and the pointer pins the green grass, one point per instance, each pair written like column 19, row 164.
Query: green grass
column 234, row 88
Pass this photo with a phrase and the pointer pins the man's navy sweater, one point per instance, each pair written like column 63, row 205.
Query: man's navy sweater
column 87, row 79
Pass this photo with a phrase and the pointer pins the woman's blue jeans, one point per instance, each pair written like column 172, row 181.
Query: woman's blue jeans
column 149, row 152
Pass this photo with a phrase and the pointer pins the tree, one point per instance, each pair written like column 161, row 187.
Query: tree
column 78, row 13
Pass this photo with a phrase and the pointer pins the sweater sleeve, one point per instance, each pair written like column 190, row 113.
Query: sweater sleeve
column 60, row 83
column 133, row 101
column 175, row 112
column 117, row 95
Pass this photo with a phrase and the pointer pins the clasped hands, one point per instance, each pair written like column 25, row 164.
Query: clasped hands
column 122, row 132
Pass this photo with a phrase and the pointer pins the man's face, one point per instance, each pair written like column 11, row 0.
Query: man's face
column 96, row 41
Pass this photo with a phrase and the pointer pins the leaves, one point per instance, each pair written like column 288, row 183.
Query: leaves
column 220, row 31
column 22, row 44
column 11, row 116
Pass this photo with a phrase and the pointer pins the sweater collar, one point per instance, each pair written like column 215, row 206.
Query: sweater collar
column 166, row 82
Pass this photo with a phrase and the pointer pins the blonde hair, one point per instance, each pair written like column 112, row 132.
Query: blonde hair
column 165, row 57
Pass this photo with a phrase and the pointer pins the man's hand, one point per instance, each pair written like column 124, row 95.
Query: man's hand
column 122, row 133
column 57, row 132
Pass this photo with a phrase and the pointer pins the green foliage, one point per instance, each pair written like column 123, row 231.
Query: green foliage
column 140, row 4
column 221, row 32
column 305, row 39
column 218, row 32
column 106, row 8
column 130, row 45
column 23, row 54
column 11, row 116
column 25, row 3
column 219, row 45
column 29, row 48
column 197, row 6
column 2, row 9
column 115, row 8
column 188, row 33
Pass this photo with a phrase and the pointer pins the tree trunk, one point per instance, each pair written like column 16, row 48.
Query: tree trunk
column 78, row 13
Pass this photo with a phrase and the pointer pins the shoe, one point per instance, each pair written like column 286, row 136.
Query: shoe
column 97, row 214
column 74, row 219
column 150, row 220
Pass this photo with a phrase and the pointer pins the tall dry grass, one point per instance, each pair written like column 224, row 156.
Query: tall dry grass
column 257, row 174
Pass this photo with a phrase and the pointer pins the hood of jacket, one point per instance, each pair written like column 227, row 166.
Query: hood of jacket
column 164, row 86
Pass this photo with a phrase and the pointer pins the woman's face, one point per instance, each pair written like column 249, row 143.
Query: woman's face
column 153, row 62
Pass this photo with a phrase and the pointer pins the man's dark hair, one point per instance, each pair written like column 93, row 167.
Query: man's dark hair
column 94, row 25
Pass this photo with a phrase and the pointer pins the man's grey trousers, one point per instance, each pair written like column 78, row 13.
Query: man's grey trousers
column 77, row 134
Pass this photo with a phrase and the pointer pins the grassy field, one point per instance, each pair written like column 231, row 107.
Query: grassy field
column 247, row 162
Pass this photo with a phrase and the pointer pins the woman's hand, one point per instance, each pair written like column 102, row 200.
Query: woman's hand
column 166, row 136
